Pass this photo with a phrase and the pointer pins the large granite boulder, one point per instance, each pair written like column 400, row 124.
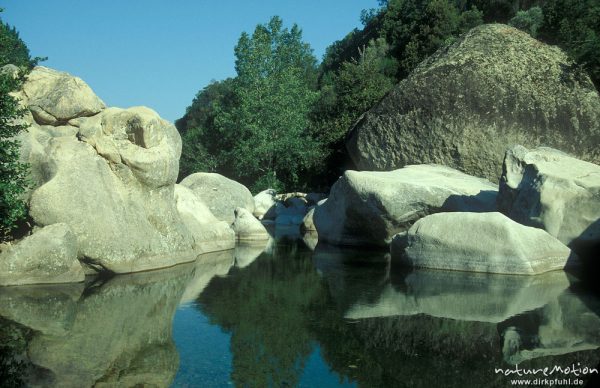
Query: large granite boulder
column 551, row 190
column 55, row 97
column 493, row 87
column 479, row 242
column 124, row 219
column 49, row 255
column 247, row 227
column 222, row 195
column 209, row 234
column 107, row 173
column 368, row 208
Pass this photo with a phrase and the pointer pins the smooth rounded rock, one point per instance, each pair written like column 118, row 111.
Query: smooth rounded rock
column 56, row 97
column 553, row 191
column 480, row 242
column 368, row 208
column 49, row 255
column 247, row 227
column 222, row 195
column 495, row 86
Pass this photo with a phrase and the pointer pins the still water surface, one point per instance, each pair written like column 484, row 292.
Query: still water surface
column 289, row 314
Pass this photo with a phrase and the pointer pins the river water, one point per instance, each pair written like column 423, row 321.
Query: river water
column 289, row 314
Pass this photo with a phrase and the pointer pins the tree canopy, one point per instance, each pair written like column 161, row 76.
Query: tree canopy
column 254, row 127
column 282, row 121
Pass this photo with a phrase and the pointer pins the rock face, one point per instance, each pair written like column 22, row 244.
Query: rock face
column 109, row 174
column 247, row 227
column 220, row 194
column 479, row 242
column 368, row 208
column 209, row 234
column 47, row 256
column 55, row 97
column 494, row 87
column 551, row 190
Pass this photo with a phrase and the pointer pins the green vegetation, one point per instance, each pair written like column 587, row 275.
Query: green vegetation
column 12, row 173
column 265, row 308
column 256, row 126
column 282, row 122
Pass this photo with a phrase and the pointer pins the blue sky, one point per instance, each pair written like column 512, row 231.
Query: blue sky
column 160, row 53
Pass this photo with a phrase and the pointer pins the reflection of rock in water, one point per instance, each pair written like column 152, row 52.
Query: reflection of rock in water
column 536, row 316
column 566, row 325
column 48, row 309
column 206, row 267
column 422, row 351
column 117, row 334
column 464, row 296
column 352, row 274
column 247, row 252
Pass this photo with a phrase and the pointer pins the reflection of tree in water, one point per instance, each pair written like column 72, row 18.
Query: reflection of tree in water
column 13, row 349
column 282, row 303
column 266, row 307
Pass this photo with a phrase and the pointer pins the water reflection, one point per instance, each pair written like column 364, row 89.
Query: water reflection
column 292, row 313
column 463, row 296
column 266, row 307
column 113, row 333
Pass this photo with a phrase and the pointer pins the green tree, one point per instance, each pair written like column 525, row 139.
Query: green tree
column 529, row 21
column 255, row 127
column 415, row 29
column 203, row 145
column 13, row 174
column 574, row 26
column 345, row 94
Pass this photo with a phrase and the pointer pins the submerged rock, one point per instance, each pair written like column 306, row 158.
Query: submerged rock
column 368, row 208
column 222, row 195
column 479, row 242
column 49, row 255
column 553, row 191
column 462, row 106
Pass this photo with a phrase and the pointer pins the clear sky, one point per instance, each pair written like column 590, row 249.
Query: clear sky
column 159, row 53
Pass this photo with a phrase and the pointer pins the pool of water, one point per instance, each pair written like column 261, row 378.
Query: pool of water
column 292, row 313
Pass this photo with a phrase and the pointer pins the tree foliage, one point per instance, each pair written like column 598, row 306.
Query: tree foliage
column 13, row 174
column 529, row 21
column 248, row 122
column 254, row 127
column 574, row 25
